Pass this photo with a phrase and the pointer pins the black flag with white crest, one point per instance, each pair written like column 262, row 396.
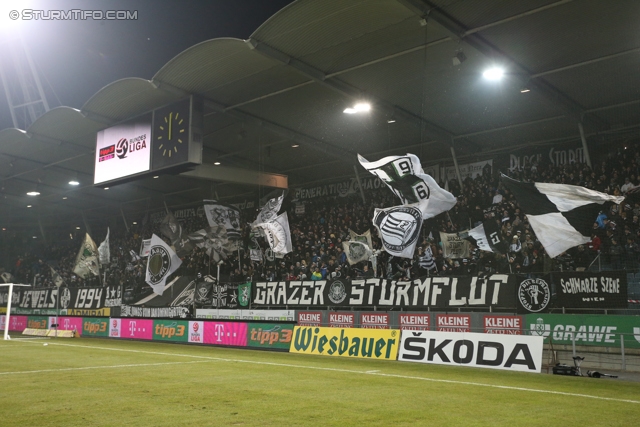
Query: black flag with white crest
column 561, row 215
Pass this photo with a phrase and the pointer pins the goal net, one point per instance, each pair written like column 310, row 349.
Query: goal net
column 6, row 289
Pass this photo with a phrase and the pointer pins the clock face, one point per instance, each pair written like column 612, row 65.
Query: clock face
column 171, row 135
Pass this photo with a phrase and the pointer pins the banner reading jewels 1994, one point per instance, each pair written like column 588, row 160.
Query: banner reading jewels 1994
column 497, row 290
column 607, row 289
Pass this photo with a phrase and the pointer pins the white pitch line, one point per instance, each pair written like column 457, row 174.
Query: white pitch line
column 350, row 371
column 101, row 367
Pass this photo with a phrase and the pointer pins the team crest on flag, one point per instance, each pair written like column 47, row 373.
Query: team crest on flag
column 399, row 229
column 244, row 294
column 161, row 263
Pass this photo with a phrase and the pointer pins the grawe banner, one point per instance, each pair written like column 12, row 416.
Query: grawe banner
column 171, row 330
column 585, row 329
column 95, row 327
column 269, row 335
column 606, row 289
column 509, row 352
column 497, row 290
column 346, row 342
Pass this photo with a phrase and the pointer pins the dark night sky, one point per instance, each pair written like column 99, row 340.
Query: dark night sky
column 77, row 58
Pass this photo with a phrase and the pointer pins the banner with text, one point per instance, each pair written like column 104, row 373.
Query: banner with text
column 346, row 342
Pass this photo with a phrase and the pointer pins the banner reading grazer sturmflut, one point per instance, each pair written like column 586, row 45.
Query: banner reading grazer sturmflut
column 510, row 352
column 346, row 342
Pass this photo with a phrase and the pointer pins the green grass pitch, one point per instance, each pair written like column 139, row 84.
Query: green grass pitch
column 102, row 382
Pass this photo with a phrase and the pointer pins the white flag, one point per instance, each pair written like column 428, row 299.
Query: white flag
column 454, row 246
column 270, row 210
column 161, row 263
column 57, row 279
column 278, row 234
column 87, row 258
column 219, row 214
column 364, row 238
column 356, row 251
column 145, row 247
column 405, row 177
column 103, row 250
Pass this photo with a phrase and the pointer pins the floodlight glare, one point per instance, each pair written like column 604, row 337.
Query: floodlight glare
column 33, row 193
column 360, row 107
column 493, row 73
column 74, row 182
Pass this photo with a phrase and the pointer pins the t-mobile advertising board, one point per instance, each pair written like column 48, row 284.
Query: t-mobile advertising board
column 140, row 329
column 16, row 323
column 225, row 333
column 67, row 324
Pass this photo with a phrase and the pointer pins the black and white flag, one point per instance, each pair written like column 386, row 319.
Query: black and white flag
column 487, row 237
column 161, row 263
column 278, row 235
column 270, row 210
column 399, row 229
column 356, row 251
column 562, row 216
column 405, row 177
column 219, row 214
column 364, row 237
column 426, row 260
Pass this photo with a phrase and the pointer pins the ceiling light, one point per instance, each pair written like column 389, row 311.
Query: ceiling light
column 217, row 163
column 4, row 229
column 459, row 58
column 391, row 119
column 28, row 206
column 156, row 177
column 525, row 90
column 35, row 237
column 106, row 188
column 64, row 198
column 33, row 193
column 361, row 107
column 77, row 228
column 135, row 223
column 493, row 73
column 295, row 146
column 74, row 182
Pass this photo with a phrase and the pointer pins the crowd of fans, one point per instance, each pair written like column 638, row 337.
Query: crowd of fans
column 318, row 233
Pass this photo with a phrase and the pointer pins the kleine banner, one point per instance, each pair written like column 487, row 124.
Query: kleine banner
column 225, row 333
column 140, row 329
column 346, row 342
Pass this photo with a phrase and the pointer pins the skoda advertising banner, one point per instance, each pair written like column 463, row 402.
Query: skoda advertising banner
column 346, row 342
column 586, row 329
column 496, row 351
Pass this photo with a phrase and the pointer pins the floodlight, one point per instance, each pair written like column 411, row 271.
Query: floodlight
column 493, row 73
column 33, row 193
column 74, row 182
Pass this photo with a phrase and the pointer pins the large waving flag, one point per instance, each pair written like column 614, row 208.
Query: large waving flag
column 103, row 250
column 278, row 235
column 488, row 237
column 87, row 258
column 405, row 177
column 219, row 214
column 356, row 251
column 364, row 238
column 270, row 209
column 399, row 229
column 161, row 263
column 562, row 216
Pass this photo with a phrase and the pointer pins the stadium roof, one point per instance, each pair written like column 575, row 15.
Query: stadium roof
column 290, row 82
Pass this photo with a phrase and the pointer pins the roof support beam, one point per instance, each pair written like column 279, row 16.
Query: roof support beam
column 240, row 176
column 345, row 88
column 427, row 9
